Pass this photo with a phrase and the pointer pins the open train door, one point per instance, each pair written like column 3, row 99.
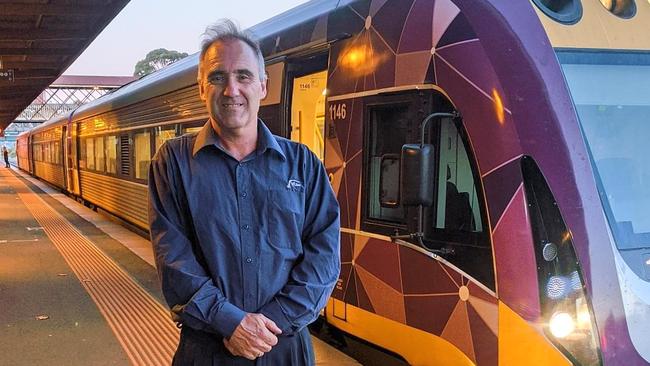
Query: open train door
column 294, row 106
column 306, row 83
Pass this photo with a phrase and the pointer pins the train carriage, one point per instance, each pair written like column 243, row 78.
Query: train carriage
column 40, row 151
column 488, row 157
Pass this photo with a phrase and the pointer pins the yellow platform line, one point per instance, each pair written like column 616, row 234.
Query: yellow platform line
column 141, row 324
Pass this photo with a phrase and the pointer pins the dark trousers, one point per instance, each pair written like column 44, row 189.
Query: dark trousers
column 197, row 348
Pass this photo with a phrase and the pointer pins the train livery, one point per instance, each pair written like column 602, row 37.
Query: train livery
column 488, row 157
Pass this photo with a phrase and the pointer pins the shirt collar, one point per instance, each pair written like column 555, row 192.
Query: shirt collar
column 265, row 139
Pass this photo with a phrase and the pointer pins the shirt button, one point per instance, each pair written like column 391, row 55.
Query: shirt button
column 245, row 227
column 248, row 260
column 244, row 194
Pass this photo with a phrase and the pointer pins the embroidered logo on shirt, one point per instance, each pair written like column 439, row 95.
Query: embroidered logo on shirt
column 295, row 185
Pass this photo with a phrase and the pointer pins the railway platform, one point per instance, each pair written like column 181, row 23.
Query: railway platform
column 78, row 289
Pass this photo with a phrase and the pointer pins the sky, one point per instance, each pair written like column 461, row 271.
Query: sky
column 145, row 25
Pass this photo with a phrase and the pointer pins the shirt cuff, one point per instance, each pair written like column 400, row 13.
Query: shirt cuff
column 273, row 311
column 228, row 318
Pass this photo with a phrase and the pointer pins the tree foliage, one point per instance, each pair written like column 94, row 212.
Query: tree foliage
column 156, row 60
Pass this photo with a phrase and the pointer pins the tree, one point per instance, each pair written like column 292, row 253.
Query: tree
column 156, row 60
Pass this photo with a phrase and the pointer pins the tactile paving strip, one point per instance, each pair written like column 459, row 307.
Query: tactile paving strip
column 141, row 324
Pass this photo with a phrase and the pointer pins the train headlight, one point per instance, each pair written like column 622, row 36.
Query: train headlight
column 564, row 299
column 561, row 324
column 556, row 287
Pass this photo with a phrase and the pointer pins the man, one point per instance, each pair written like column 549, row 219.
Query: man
column 5, row 154
column 244, row 224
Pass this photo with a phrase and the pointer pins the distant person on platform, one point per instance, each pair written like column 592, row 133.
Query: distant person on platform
column 5, row 154
column 244, row 224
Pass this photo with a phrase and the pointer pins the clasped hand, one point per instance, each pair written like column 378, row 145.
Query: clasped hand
column 253, row 337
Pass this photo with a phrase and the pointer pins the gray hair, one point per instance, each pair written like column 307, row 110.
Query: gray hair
column 226, row 29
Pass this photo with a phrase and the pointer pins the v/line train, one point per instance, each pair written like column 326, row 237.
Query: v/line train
column 512, row 228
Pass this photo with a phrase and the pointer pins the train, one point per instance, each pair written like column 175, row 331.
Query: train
column 488, row 157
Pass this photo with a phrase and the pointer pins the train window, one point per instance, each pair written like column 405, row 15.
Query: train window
column 387, row 134
column 163, row 134
column 47, row 152
column 57, row 156
column 90, row 154
column 454, row 224
column 111, row 154
column 82, row 153
column 142, row 154
column 191, row 129
column 100, row 159
column 457, row 206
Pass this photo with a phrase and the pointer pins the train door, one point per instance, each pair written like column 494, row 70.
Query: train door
column 270, row 107
column 307, row 85
column 30, row 153
column 64, row 152
column 70, row 159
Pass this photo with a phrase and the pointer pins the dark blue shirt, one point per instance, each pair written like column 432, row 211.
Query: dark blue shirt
column 259, row 235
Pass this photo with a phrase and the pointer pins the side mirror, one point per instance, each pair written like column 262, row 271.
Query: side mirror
column 417, row 175
column 389, row 181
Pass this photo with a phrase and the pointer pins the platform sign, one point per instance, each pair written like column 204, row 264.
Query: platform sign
column 7, row 75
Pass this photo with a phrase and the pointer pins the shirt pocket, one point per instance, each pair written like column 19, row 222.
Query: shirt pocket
column 285, row 217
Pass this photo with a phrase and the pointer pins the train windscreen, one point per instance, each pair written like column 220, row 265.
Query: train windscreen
column 611, row 92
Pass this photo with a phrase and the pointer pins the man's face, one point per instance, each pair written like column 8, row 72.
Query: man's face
column 231, row 85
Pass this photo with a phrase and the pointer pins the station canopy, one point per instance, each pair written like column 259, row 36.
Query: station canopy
column 39, row 39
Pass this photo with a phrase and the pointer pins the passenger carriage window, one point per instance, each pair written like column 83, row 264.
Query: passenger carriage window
column 111, row 154
column 100, row 154
column 90, row 153
column 82, row 153
column 47, row 152
column 191, row 129
column 387, row 134
column 57, row 155
column 142, row 154
column 163, row 134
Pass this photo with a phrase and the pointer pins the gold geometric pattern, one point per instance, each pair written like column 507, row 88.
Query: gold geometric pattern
column 377, row 273
column 458, row 331
column 385, row 300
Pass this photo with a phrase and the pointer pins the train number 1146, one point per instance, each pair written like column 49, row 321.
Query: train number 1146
column 338, row 111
